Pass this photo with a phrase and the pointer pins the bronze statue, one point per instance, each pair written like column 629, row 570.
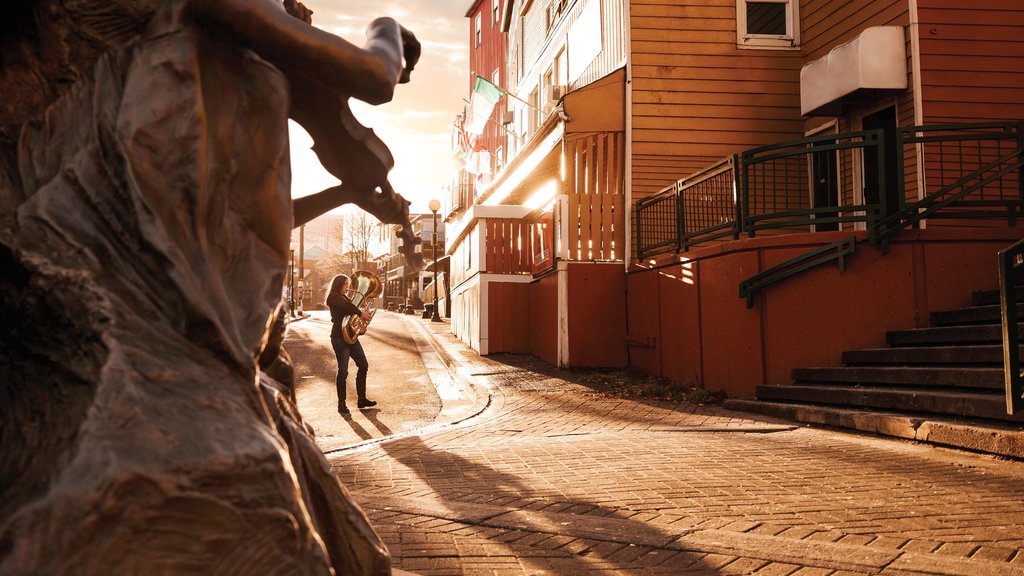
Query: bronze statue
column 145, row 215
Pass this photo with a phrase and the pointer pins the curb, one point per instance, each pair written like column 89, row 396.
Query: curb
column 993, row 439
column 463, row 398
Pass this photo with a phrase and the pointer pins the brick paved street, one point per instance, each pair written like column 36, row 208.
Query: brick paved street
column 554, row 479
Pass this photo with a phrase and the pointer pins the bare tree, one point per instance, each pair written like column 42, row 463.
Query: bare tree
column 360, row 230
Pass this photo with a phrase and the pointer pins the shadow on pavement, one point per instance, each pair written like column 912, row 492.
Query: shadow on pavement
column 458, row 480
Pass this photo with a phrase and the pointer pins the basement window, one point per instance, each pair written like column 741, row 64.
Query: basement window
column 767, row 24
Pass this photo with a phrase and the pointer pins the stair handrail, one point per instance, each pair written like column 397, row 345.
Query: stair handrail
column 914, row 213
column 1011, row 262
column 837, row 250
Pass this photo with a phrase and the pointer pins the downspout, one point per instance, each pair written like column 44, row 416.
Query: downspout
column 914, row 29
column 627, row 174
column 562, row 266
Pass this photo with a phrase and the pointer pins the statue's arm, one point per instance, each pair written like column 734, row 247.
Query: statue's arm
column 309, row 207
column 368, row 73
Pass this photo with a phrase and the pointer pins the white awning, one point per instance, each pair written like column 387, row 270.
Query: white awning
column 875, row 60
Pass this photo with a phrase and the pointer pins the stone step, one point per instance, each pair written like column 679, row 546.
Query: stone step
column 973, row 404
column 944, row 377
column 986, row 297
column 946, row 335
column 993, row 438
column 991, row 314
column 991, row 354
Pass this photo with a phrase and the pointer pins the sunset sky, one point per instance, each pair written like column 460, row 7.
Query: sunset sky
column 416, row 125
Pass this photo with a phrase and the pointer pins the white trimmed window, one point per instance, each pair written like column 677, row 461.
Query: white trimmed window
column 496, row 14
column 768, row 24
column 478, row 29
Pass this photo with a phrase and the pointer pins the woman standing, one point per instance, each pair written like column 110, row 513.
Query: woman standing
column 340, row 306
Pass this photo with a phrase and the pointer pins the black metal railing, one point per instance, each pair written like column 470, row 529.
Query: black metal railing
column 1011, row 263
column 657, row 223
column 837, row 251
column 973, row 171
column 693, row 210
column 827, row 182
column 708, row 206
column 806, row 185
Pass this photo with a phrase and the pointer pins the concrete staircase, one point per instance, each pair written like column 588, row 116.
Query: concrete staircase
column 949, row 376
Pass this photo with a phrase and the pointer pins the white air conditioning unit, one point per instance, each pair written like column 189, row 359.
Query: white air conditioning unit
column 508, row 118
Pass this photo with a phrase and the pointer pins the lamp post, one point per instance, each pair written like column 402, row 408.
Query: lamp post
column 291, row 283
column 434, row 206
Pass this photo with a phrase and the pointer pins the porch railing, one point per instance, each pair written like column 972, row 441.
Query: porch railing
column 779, row 182
column 823, row 183
column 972, row 172
column 699, row 208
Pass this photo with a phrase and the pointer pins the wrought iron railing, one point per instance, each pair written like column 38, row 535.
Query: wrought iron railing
column 779, row 182
column 708, row 206
column 972, row 171
column 657, row 223
column 837, row 251
column 1011, row 263
column 827, row 182
column 696, row 209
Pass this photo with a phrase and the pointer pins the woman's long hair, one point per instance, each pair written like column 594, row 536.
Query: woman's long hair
column 337, row 286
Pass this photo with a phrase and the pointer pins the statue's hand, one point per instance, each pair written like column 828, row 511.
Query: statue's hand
column 410, row 51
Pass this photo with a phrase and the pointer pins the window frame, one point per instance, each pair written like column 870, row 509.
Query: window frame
column 496, row 12
column 788, row 41
column 478, row 32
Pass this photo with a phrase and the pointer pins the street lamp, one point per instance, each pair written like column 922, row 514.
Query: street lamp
column 434, row 206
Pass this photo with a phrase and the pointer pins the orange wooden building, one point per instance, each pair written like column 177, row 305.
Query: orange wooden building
column 697, row 144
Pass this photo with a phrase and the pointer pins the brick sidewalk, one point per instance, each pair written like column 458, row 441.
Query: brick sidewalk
column 554, row 479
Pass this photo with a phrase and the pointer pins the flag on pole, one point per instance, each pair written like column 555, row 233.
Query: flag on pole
column 478, row 161
column 485, row 96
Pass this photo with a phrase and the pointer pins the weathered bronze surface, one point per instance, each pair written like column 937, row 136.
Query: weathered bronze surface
column 145, row 216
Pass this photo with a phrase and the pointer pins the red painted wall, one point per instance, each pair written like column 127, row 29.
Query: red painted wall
column 643, row 326
column 681, row 346
column 597, row 315
column 543, row 318
column 706, row 335
column 507, row 329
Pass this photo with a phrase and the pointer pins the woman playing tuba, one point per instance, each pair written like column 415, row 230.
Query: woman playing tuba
column 349, row 320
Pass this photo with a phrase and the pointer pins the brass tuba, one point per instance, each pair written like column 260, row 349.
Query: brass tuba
column 364, row 287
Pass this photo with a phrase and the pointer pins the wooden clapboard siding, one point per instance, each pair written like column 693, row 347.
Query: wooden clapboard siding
column 696, row 97
column 594, row 182
column 825, row 24
column 972, row 60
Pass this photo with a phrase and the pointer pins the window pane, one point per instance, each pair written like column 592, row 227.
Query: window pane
column 767, row 18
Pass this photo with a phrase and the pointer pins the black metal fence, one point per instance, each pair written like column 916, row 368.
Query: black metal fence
column 826, row 182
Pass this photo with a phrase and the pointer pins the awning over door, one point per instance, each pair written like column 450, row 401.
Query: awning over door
column 874, row 60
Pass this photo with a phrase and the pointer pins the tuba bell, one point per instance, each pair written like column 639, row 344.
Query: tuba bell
column 365, row 286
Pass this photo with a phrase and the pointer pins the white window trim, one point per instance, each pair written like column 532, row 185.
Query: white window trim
column 478, row 33
column 791, row 41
